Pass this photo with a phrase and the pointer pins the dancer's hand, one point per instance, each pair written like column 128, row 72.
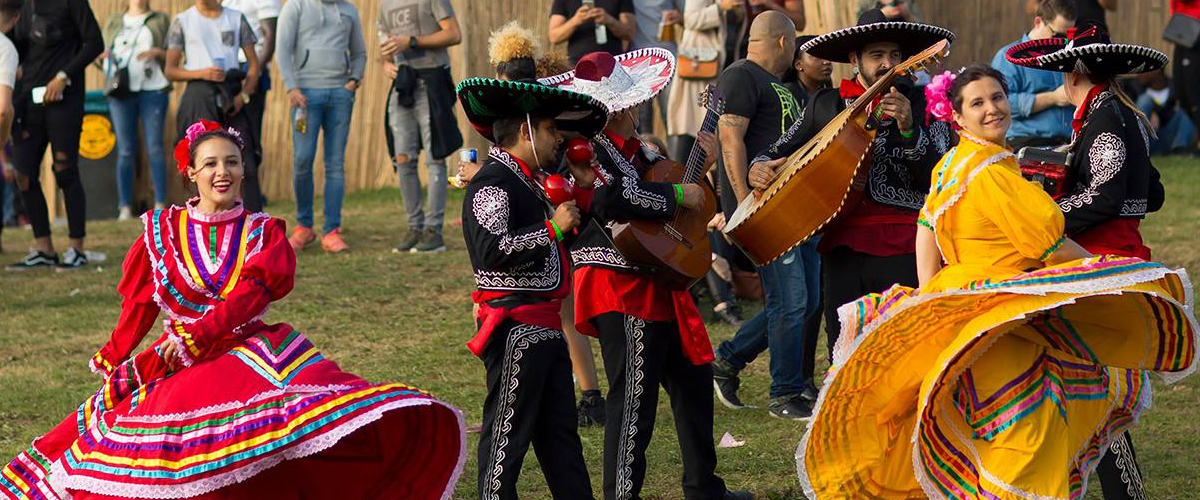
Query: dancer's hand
column 170, row 354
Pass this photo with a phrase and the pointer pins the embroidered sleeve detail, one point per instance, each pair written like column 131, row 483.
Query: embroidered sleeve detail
column 184, row 342
column 1053, row 248
column 641, row 197
column 537, row 237
column 918, row 147
column 99, row 365
column 490, row 207
column 1105, row 159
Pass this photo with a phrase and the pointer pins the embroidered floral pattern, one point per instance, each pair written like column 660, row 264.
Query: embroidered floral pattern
column 634, row 332
column 629, row 184
column 489, row 205
column 598, row 256
column 520, row 279
column 1105, row 158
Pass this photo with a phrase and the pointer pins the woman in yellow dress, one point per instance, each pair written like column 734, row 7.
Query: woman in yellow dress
column 1005, row 375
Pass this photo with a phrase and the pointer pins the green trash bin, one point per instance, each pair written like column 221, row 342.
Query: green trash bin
column 98, row 157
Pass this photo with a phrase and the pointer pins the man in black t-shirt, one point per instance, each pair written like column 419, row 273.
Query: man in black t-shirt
column 592, row 26
column 758, row 110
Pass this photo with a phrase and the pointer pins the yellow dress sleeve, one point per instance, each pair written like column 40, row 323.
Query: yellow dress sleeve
column 1021, row 210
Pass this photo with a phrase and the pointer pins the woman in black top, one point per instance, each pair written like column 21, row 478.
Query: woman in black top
column 56, row 39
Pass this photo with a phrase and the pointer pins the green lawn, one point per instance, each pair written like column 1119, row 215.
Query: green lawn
column 405, row 318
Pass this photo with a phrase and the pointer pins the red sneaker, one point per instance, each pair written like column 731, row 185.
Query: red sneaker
column 301, row 237
column 332, row 242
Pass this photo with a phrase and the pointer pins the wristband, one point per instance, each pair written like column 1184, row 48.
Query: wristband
column 245, row 98
column 678, row 194
column 558, row 236
column 907, row 135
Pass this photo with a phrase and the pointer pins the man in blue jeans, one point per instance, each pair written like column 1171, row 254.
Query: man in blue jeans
column 758, row 110
column 311, row 51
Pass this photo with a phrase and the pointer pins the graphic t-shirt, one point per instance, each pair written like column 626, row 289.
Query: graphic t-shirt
column 414, row 18
column 754, row 93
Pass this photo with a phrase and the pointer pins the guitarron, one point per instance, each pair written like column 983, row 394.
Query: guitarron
column 812, row 186
column 676, row 251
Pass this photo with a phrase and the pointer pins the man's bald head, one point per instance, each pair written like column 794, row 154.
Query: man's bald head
column 772, row 41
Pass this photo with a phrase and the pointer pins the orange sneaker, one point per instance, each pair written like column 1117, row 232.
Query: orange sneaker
column 301, row 237
column 332, row 242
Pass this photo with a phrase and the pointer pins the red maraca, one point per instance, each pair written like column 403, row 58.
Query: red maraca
column 579, row 151
column 558, row 189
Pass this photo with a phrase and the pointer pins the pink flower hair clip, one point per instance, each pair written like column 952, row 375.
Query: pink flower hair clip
column 937, row 98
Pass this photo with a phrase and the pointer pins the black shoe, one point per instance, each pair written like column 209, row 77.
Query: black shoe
column 726, row 382
column 431, row 241
column 591, row 409
column 410, row 240
column 35, row 260
column 810, row 393
column 731, row 315
column 791, row 407
column 72, row 260
column 737, row 495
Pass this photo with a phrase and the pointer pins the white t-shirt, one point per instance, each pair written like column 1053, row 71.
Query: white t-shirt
column 133, row 39
column 255, row 11
column 8, row 62
column 209, row 42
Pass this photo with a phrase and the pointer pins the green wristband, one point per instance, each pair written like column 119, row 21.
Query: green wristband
column 907, row 135
column 557, row 232
column 678, row 194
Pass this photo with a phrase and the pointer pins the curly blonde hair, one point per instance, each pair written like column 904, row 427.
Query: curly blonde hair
column 553, row 63
column 510, row 42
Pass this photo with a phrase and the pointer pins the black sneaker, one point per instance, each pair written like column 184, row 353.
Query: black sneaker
column 737, row 495
column 591, row 409
column 431, row 241
column 810, row 393
column 410, row 240
column 72, row 260
column 725, row 383
column 35, row 260
column 791, row 407
column 730, row 314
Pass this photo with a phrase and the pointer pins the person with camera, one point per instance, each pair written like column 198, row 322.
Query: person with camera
column 202, row 49
column 56, row 40
column 137, row 91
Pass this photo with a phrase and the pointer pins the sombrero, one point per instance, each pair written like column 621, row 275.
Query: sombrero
column 873, row 27
column 621, row 82
column 1086, row 50
column 485, row 100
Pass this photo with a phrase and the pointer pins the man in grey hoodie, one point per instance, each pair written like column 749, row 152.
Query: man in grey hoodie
column 320, row 52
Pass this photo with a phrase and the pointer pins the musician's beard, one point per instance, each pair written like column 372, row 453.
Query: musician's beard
column 869, row 78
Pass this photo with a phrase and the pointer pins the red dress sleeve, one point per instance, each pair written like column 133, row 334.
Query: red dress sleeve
column 138, row 310
column 266, row 276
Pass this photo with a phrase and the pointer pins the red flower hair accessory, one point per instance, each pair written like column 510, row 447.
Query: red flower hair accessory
column 183, row 156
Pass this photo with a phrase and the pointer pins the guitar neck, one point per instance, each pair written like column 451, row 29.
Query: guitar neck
column 694, row 168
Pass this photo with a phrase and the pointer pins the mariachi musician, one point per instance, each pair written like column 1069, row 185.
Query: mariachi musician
column 514, row 237
column 649, row 334
column 872, row 245
column 1111, row 184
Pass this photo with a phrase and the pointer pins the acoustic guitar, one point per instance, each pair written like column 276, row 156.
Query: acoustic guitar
column 812, row 186
column 677, row 251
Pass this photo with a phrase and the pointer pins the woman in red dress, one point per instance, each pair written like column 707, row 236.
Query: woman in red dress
column 223, row 405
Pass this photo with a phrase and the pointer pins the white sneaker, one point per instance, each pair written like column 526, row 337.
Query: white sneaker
column 124, row 213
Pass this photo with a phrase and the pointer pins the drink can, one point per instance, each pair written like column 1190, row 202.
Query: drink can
column 469, row 155
column 300, row 120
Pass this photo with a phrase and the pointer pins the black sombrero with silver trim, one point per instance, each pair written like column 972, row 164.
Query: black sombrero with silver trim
column 1088, row 51
column 873, row 27
column 485, row 100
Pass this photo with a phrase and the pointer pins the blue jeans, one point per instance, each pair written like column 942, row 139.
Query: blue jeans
column 328, row 109
column 1173, row 135
column 792, row 286
column 149, row 106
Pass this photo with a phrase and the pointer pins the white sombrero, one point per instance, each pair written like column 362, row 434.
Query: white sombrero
column 621, row 82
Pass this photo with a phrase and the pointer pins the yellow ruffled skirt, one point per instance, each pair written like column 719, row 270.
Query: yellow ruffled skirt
column 1006, row 389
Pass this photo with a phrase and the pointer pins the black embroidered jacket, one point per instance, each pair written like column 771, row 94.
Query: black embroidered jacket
column 899, row 168
column 1109, row 170
column 505, row 216
column 620, row 196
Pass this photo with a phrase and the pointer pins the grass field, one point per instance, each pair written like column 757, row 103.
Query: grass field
column 405, row 318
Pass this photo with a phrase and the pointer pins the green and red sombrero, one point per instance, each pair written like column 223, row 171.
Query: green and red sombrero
column 1086, row 50
column 485, row 100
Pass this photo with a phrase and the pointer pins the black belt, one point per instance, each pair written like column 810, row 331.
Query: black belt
column 515, row 300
